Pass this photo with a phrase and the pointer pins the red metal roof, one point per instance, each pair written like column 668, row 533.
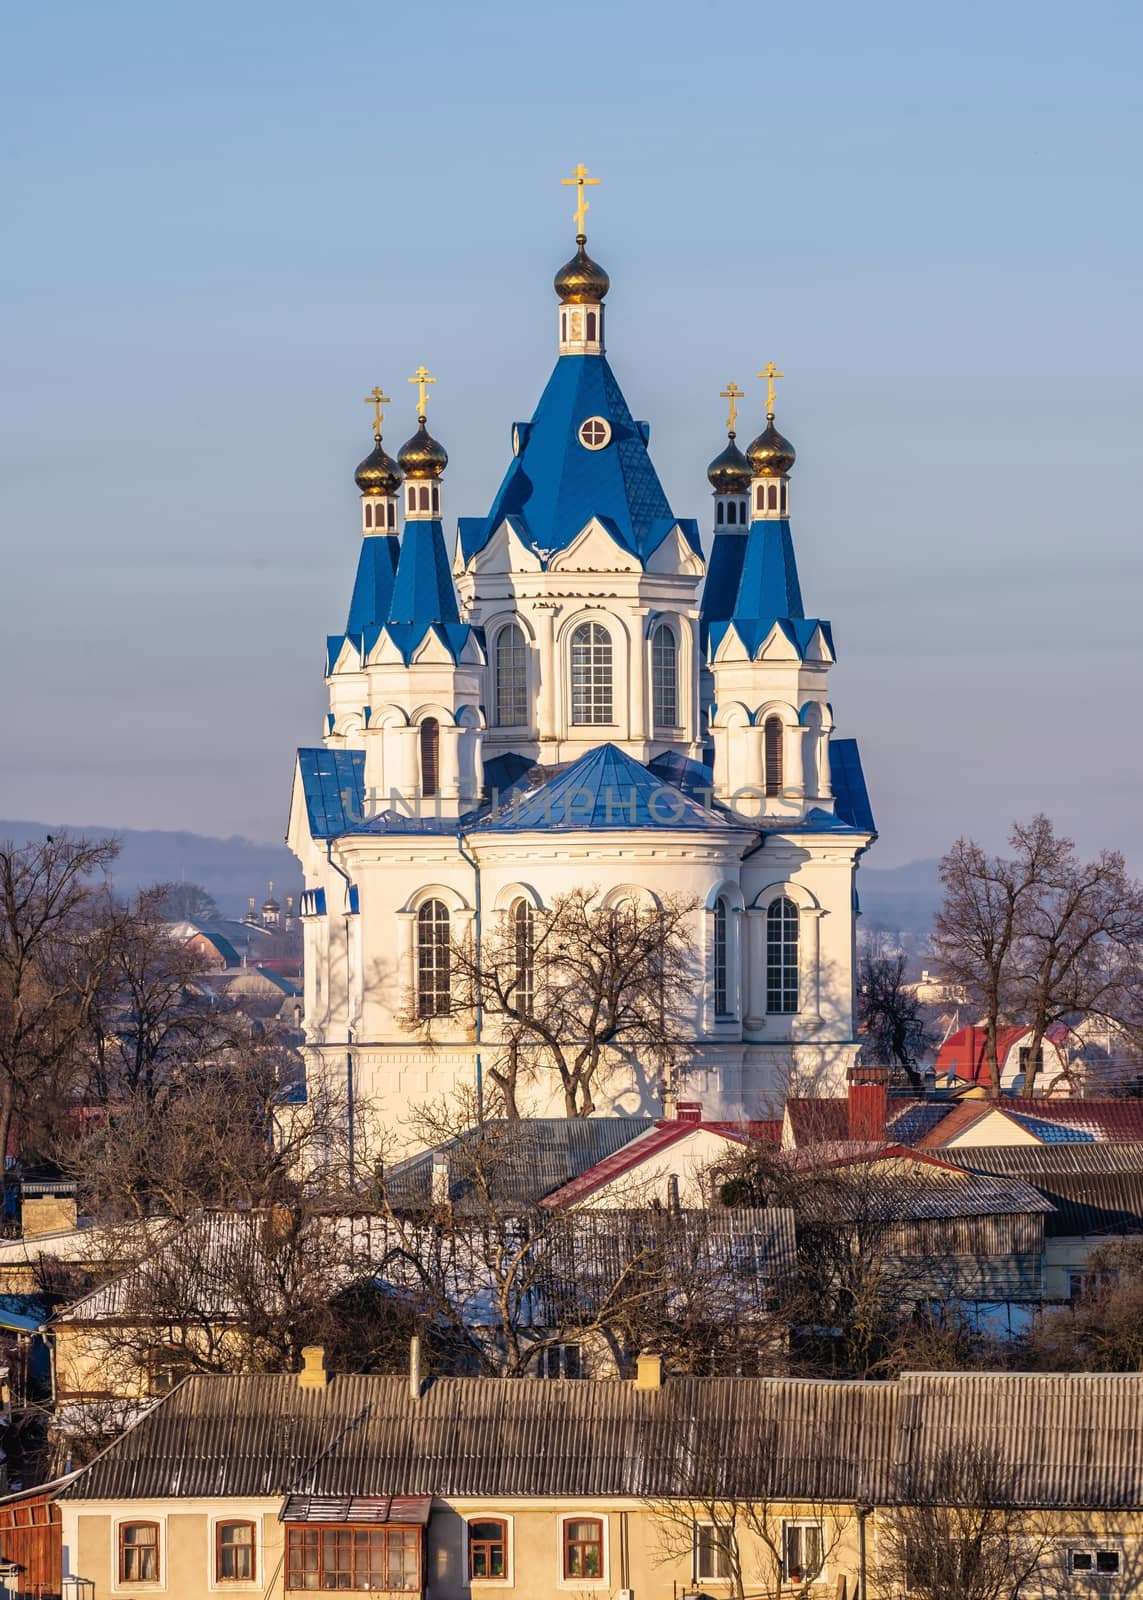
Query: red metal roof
column 657, row 1139
column 964, row 1050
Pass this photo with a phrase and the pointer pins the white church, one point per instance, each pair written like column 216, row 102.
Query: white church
column 571, row 695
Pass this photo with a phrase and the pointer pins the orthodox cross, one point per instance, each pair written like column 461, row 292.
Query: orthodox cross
column 421, row 379
column 732, row 393
column 579, row 177
column 770, row 372
column 377, row 399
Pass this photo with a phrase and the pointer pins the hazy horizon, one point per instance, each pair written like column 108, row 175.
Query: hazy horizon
column 226, row 225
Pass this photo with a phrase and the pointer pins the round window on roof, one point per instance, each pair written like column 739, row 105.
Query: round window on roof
column 595, row 433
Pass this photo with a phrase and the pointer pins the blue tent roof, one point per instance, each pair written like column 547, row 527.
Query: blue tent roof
column 333, row 783
column 373, row 588
column 605, row 789
column 769, row 584
column 723, row 576
column 851, row 797
column 422, row 587
column 556, row 485
column 754, row 631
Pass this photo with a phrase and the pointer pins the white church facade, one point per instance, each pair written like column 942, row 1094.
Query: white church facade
column 571, row 695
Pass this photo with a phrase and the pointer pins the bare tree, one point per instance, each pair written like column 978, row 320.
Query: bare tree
column 890, row 1017
column 575, row 988
column 1102, row 1329
column 961, row 1533
column 173, row 901
column 51, row 959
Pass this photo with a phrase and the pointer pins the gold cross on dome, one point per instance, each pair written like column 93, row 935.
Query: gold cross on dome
column 732, row 393
column 770, row 372
column 422, row 380
column 579, row 177
column 378, row 399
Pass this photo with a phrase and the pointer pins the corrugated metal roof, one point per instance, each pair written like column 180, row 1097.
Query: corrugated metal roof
column 1094, row 1188
column 260, row 1434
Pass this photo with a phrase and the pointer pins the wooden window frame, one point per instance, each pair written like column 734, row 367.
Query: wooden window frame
column 297, row 1532
column 142, row 1522
column 235, row 1522
column 567, row 1544
column 487, row 1545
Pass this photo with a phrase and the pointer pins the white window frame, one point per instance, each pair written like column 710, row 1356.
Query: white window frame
column 604, row 1580
column 548, row 1350
column 822, row 1574
column 701, row 1578
column 508, row 1581
column 1095, row 1548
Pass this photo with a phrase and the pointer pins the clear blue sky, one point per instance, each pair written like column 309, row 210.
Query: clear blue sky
column 224, row 223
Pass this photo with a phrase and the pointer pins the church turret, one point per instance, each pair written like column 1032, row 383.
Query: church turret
column 769, row 661
column 378, row 477
column 729, row 477
column 422, row 459
column 581, row 284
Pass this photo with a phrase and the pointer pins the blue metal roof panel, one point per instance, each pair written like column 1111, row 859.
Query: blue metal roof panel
column 769, row 584
column 723, row 576
column 373, row 588
column 851, row 797
column 333, row 783
column 422, row 586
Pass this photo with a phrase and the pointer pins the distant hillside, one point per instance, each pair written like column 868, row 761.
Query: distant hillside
column 229, row 869
column 900, row 899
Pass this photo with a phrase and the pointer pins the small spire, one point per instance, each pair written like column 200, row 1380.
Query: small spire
column 378, row 400
column 583, row 205
column 422, row 380
column 770, row 372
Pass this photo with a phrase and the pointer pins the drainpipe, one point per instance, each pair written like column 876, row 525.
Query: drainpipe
column 349, row 1089
column 862, row 1513
column 475, row 865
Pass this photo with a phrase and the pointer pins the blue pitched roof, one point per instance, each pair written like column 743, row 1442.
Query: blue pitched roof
column 723, row 576
column 754, row 631
column 422, row 587
column 333, row 783
column 769, row 584
column 373, row 588
column 605, row 789
column 555, row 485
column 851, row 797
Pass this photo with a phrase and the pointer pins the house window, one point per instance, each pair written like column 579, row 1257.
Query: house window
column 430, row 755
column 524, row 937
column 433, row 988
column 488, row 1549
column 594, row 433
column 511, row 678
column 138, row 1552
column 712, row 1551
column 772, row 738
column 583, row 1547
column 561, row 1361
column 591, row 674
column 234, row 1553
column 802, row 1558
column 353, row 1558
column 1095, row 1563
column 782, row 956
column 721, row 963
column 664, row 678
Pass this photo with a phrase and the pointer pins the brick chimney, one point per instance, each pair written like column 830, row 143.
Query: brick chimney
column 690, row 1111
column 868, row 1103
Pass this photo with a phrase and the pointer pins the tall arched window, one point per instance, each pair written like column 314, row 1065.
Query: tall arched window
column 721, row 961
column 433, row 992
column 664, row 678
column 591, row 674
column 430, row 755
column 511, row 677
column 524, row 942
column 772, row 735
column 782, row 956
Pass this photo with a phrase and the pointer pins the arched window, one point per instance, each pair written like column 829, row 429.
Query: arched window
column 773, row 497
column 664, row 678
column 591, row 674
column 433, row 993
column 369, row 513
column 524, row 942
column 424, row 497
column 511, row 677
column 234, row 1552
column 772, row 737
column 591, row 319
column 782, row 956
column 430, row 755
column 732, row 512
column 721, row 961
column 436, row 497
column 392, row 513
column 719, row 511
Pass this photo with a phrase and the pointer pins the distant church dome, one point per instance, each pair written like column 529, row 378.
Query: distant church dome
column 581, row 279
column 378, row 473
column 770, row 455
column 422, row 456
column 729, row 472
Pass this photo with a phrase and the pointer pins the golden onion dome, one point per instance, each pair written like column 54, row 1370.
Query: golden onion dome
column 770, row 455
column 729, row 472
column 378, row 473
column 422, row 456
column 581, row 279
